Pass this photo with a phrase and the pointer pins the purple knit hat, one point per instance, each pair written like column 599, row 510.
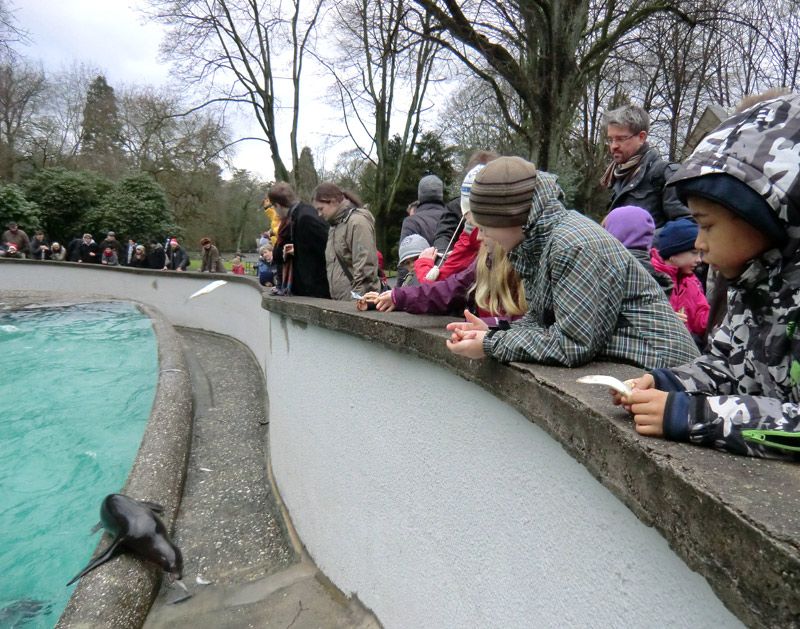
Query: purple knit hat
column 632, row 226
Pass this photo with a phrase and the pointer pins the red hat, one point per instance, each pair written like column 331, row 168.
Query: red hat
column 174, row 241
column 12, row 246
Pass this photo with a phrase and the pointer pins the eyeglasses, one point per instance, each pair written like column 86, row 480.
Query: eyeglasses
column 611, row 141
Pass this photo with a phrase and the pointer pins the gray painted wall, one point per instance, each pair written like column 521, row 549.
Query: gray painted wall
column 435, row 503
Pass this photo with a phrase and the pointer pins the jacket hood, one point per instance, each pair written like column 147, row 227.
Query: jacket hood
column 342, row 214
column 761, row 148
column 548, row 200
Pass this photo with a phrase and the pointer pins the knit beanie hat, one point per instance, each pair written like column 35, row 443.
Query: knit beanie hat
column 430, row 189
column 502, row 193
column 466, row 187
column 412, row 246
column 677, row 237
column 632, row 226
column 205, row 241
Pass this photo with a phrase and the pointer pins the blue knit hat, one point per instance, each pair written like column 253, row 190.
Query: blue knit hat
column 677, row 237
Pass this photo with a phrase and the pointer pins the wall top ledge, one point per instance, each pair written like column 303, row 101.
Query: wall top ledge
column 735, row 520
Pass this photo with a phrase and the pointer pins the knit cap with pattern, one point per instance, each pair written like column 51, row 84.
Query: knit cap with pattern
column 502, row 193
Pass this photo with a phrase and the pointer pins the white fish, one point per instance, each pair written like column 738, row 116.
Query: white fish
column 202, row 581
column 208, row 288
column 608, row 381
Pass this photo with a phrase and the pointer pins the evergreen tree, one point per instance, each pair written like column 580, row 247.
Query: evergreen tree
column 64, row 198
column 136, row 207
column 101, row 137
column 305, row 175
column 14, row 207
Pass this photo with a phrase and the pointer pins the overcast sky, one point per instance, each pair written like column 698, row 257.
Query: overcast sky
column 114, row 37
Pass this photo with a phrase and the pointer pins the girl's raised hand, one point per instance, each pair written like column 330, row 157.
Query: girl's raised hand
column 472, row 323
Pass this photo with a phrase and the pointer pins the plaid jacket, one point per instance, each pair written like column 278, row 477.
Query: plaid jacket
column 587, row 296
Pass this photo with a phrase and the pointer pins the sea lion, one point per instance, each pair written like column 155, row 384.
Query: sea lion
column 136, row 528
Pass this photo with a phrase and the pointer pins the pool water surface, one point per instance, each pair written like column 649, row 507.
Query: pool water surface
column 76, row 390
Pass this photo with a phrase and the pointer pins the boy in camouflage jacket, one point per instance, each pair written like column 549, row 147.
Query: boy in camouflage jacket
column 742, row 185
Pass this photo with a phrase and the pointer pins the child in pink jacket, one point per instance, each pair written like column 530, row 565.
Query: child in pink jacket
column 677, row 257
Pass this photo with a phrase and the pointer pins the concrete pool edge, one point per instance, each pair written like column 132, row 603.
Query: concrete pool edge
column 121, row 593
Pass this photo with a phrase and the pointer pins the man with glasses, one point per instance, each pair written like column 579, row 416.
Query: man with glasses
column 637, row 174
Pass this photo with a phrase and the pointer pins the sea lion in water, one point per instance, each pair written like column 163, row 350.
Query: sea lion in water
column 136, row 528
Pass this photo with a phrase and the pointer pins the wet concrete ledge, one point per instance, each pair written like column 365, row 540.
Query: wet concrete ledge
column 735, row 520
column 121, row 592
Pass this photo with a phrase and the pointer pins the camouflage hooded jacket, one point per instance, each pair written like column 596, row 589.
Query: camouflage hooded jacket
column 587, row 296
column 743, row 395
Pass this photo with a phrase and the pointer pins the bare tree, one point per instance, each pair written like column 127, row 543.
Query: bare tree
column 21, row 87
column 382, row 74
column 158, row 138
column 10, row 32
column 471, row 119
column 235, row 46
column 546, row 51
column 57, row 130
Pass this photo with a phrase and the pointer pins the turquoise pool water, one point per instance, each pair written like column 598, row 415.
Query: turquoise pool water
column 76, row 389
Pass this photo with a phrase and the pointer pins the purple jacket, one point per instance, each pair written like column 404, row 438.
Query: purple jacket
column 447, row 296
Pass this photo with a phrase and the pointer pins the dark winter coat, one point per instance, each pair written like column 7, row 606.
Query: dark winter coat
column 309, row 234
column 157, row 257
column 645, row 189
column 74, row 250
column 424, row 222
column 449, row 223
column 85, row 251
column 36, row 249
column 177, row 258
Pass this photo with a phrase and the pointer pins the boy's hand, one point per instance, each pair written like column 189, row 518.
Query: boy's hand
column 467, row 343
column 472, row 323
column 637, row 384
column 648, row 411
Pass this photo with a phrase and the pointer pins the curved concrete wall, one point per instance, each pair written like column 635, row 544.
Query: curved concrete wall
column 441, row 506
column 433, row 501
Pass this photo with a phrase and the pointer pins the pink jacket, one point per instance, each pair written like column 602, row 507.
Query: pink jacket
column 687, row 294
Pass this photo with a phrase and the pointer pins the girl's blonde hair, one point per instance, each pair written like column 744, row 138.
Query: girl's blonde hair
column 498, row 288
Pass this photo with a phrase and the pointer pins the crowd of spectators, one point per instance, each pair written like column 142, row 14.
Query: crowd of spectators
column 15, row 243
column 532, row 280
